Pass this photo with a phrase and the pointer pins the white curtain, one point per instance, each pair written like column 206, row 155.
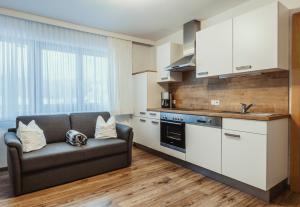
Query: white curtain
column 120, row 57
column 47, row 69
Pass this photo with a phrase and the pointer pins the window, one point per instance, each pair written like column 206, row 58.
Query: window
column 95, row 85
column 56, row 80
column 46, row 69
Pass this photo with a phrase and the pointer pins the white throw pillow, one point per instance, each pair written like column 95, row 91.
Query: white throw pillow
column 31, row 136
column 105, row 129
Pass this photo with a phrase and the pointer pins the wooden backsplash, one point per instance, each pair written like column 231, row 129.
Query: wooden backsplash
column 269, row 92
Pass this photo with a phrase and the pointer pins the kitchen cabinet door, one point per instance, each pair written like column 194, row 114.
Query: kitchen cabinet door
column 244, row 157
column 143, row 58
column 153, row 134
column 203, row 146
column 214, row 50
column 166, row 54
column 140, row 94
column 147, row 132
column 163, row 59
column 139, row 129
column 260, row 39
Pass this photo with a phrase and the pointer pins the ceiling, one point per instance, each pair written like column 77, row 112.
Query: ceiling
column 149, row 19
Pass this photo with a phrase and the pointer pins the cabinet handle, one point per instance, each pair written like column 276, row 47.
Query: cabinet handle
column 155, row 122
column 233, row 135
column 143, row 113
column 245, row 67
column 142, row 120
column 202, row 73
column 152, row 114
column 164, row 78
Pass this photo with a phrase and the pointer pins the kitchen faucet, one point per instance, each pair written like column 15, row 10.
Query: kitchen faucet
column 245, row 108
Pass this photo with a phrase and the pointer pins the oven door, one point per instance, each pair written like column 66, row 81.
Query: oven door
column 172, row 135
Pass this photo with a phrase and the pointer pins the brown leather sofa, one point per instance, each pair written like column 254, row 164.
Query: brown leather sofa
column 59, row 162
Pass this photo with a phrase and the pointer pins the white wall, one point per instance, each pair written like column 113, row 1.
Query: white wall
column 177, row 37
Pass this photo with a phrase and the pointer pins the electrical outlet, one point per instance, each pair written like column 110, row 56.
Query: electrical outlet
column 215, row 102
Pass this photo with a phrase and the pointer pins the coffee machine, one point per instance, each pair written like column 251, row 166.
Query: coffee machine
column 166, row 100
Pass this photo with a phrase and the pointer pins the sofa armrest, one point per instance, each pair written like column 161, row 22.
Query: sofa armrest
column 14, row 155
column 11, row 140
column 126, row 133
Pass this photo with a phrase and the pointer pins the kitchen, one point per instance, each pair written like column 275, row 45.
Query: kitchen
column 150, row 103
column 223, row 109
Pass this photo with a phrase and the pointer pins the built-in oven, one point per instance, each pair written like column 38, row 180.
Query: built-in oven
column 172, row 134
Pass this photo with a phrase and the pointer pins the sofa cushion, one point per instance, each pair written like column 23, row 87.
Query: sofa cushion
column 58, row 154
column 86, row 122
column 54, row 126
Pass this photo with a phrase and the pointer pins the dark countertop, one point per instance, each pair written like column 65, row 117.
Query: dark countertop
column 234, row 115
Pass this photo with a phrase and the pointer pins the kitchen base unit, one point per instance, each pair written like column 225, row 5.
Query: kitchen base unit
column 266, row 196
column 255, row 152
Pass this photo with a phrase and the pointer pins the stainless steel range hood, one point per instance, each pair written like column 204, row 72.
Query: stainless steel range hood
column 188, row 61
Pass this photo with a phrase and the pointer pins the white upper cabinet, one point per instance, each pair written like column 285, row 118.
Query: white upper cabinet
column 143, row 58
column 214, row 50
column 146, row 93
column 166, row 54
column 260, row 39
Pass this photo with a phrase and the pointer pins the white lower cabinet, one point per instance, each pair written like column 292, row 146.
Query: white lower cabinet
column 153, row 133
column 139, row 123
column 244, row 157
column 147, row 132
column 203, row 146
column 255, row 152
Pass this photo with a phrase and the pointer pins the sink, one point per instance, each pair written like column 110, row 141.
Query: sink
column 261, row 114
column 250, row 113
column 231, row 112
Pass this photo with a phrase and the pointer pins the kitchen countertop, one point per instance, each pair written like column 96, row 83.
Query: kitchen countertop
column 225, row 114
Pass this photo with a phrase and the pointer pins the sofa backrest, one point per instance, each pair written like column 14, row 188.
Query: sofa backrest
column 86, row 122
column 54, row 126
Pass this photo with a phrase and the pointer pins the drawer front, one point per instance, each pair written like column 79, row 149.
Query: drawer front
column 153, row 115
column 141, row 113
column 244, row 157
column 252, row 126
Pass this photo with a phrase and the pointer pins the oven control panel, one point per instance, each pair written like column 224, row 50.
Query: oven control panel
column 192, row 119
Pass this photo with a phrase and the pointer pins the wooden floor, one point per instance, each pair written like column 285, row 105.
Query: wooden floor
column 150, row 181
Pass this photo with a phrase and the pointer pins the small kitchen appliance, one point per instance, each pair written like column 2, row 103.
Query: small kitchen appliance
column 166, row 100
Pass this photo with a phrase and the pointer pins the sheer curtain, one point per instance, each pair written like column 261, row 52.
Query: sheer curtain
column 120, row 60
column 47, row 69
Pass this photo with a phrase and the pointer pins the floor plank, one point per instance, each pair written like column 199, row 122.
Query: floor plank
column 150, row 181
